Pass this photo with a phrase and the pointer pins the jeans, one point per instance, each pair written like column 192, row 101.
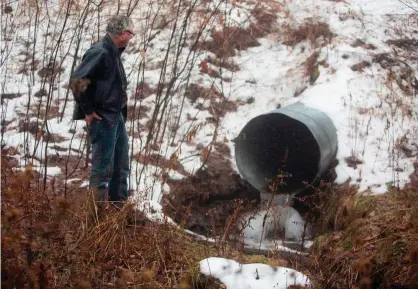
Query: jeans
column 110, row 160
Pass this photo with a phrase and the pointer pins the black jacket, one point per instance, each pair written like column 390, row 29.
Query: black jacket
column 106, row 93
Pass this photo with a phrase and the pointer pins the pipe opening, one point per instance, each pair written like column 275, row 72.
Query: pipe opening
column 277, row 148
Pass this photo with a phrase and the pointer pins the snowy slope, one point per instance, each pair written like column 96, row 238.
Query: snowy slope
column 371, row 104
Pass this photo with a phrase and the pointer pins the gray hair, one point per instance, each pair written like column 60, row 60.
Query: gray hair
column 118, row 23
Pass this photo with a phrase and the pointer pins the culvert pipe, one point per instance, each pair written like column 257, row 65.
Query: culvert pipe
column 286, row 148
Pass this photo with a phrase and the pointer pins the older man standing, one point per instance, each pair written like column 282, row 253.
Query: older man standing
column 99, row 86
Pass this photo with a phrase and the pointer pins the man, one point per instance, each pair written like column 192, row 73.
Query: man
column 99, row 87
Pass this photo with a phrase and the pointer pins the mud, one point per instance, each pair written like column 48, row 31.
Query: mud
column 205, row 202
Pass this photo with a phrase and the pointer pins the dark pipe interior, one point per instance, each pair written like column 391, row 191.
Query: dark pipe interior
column 274, row 143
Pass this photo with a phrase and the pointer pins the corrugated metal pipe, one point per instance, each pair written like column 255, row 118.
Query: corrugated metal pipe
column 285, row 149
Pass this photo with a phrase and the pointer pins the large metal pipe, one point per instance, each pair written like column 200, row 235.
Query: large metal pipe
column 287, row 147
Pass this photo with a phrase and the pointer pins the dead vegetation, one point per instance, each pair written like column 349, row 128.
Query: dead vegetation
column 50, row 70
column 366, row 241
column 227, row 64
column 404, row 43
column 5, row 96
column 312, row 67
column 33, row 127
column 227, row 42
column 212, row 100
column 137, row 112
column 56, row 242
column 400, row 71
column 51, row 240
column 360, row 66
column 142, row 91
column 361, row 43
column 310, row 31
column 160, row 161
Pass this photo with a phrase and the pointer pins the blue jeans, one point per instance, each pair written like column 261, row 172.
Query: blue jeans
column 110, row 160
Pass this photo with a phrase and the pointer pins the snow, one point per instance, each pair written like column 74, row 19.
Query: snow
column 278, row 219
column 254, row 276
column 368, row 108
column 50, row 171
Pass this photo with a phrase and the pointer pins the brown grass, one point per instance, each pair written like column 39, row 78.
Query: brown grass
column 227, row 64
column 137, row 111
column 10, row 96
column 54, row 138
column 213, row 101
column 361, row 43
column 310, row 31
column 40, row 93
column 56, row 242
column 142, row 91
column 227, row 42
column 50, row 70
column 360, row 66
column 366, row 241
column 31, row 127
column 264, row 19
column 52, row 241
column 400, row 71
column 311, row 67
column 404, row 43
column 161, row 162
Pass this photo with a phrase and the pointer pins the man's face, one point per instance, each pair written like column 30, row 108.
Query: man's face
column 127, row 35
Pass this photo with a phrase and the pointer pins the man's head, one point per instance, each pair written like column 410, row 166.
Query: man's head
column 120, row 29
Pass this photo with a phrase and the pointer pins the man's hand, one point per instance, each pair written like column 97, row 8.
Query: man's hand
column 89, row 118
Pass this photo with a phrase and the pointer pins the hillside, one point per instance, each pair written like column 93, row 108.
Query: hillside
column 198, row 72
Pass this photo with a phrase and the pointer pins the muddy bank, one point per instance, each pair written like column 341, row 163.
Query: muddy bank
column 206, row 201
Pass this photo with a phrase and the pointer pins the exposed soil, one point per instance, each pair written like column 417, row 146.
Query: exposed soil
column 205, row 202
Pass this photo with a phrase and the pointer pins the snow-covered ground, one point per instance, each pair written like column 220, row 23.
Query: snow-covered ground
column 370, row 106
column 255, row 276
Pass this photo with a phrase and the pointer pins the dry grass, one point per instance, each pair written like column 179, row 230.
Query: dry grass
column 212, row 100
column 227, row 64
column 142, row 91
column 311, row 67
column 160, row 161
column 227, row 42
column 138, row 111
column 360, row 66
column 5, row 96
column 408, row 44
column 310, row 31
column 56, row 242
column 50, row 70
column 361, row 43
column 366, row 241
column 52, row 241
column 400, row 71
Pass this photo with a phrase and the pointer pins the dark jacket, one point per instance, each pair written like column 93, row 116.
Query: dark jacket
column 106, row 93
